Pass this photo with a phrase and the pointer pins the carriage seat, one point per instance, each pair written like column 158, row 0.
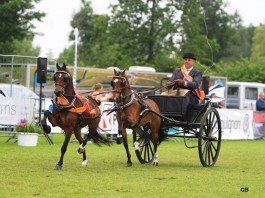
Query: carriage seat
column 170, row 106
column 176, row 107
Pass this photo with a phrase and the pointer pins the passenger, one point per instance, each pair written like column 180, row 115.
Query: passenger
column 260, row 103
column 189, row 79
column 95, row 92
column 108, row 97
column 215, row 104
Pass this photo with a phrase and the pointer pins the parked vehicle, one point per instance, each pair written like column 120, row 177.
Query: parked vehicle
column 17, row 91
column 243, row 95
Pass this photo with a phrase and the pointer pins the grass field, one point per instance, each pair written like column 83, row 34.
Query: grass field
column 28, row 171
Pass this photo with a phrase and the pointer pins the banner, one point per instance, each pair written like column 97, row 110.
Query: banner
column 236, row 124
column 13, row 110
column 259, row 124
column 108, row 123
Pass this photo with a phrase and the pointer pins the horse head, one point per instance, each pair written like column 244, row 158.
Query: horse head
column 119, row 83
column 63, row 81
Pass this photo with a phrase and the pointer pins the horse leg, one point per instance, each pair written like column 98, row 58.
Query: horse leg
column 63, row 150
column 44, row 125
column 125, row 144
column 155, row 162
column 155, row 141
column 53, row 119
column 81, row 148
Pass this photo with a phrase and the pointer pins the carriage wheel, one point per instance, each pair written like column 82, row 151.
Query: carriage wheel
column 210, row 136
column 146, row 151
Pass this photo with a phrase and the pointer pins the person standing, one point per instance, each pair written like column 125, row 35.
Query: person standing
column 260, row 103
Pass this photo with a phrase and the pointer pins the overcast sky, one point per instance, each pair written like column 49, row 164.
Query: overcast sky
column 56, row 25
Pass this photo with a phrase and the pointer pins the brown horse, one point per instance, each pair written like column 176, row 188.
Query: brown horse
column 140, row 115
column 72, row 112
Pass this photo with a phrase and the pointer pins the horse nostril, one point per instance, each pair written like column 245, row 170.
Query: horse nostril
column 57, row 93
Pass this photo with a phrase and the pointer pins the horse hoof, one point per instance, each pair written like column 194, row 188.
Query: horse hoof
column 119, row 140
column 84, row 164
column 129, row 164
column 46, row 128
column 58, row 167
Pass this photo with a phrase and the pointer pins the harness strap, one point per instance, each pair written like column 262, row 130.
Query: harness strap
column 129, row 103
column 63, row 103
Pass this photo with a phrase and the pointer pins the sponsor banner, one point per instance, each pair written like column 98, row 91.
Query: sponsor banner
column 108, row 122
column 259, row 124
column 13, row 110
column 236, row 124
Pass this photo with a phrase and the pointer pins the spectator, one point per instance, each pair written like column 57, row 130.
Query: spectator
column 260, row 103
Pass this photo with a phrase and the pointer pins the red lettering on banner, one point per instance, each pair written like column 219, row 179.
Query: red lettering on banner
column 104, row 124
column 258, row 117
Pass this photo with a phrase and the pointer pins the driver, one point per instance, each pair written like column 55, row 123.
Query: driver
column 189, row 79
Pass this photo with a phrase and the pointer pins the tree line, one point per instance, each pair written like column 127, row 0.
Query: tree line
column 148, row 33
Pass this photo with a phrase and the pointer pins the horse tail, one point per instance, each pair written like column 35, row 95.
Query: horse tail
column 161, row 135
column 100, row 139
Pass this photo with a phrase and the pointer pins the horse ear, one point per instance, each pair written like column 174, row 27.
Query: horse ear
column 116, row 72
column 57, row 66
column 123, row 72
column 64, row 66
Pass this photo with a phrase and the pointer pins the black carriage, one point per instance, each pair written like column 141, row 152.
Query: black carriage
column 201, row 122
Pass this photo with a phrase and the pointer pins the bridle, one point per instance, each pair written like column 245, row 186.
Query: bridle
column 119, row 102
column 64, row 86
column 123, row 84
column 66, row 80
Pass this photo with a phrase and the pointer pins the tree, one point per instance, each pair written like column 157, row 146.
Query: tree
column 208, row 30
column 16, row 22
column 24, row 47
column 157, row 32
column 258, row 50
column 94, row 48
column 145, row 30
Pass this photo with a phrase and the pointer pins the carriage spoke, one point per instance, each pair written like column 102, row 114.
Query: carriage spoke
column 211, row 151
column 151, row 151
column 146, row 153
column 209, row 154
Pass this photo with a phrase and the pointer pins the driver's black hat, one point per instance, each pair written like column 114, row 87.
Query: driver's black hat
column 189, row 55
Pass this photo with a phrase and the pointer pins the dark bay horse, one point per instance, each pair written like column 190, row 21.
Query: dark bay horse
column 71, row 113
column 136, row 113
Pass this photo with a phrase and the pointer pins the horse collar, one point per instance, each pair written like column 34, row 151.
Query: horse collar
column 64, row 106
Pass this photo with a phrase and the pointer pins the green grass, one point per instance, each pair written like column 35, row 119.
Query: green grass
column 28, row 171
